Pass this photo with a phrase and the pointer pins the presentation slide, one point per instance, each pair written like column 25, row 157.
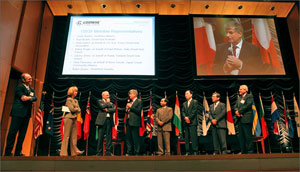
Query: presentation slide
column 110, row 45
column 237, row 46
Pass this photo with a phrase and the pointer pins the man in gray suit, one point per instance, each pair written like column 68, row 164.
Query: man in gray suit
column 133, row 122
column 104, row 123
column 243, row 110
column 217, row 115
column 20, row 115
column 163, row 118
column 190, row 122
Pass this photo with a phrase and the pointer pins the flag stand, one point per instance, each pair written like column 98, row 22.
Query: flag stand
column 87, row 146
column 36, row 146
column 269, row 145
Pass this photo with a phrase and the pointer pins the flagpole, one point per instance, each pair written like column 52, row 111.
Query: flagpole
column 49, row 148
column 150, row 117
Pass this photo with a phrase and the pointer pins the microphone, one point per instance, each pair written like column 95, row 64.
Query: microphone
column 128, row 101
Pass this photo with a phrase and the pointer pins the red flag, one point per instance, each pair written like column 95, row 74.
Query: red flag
column 142, row 128
column 229, row 119
column 87, row 119
column 205, row 45
column 62, row 128
column 261, row 36
column 264, row 127
column 116, row 122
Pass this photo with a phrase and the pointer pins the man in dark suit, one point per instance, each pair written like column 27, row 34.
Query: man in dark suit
column 104, row 123
column 21, row 113
column 243, row 110
column 190, row 122
column 217, row 115
column 163, row 118
column 133, row 122
column 237, row 57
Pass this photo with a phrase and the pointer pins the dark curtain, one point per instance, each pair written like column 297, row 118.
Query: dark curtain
column 175, row 73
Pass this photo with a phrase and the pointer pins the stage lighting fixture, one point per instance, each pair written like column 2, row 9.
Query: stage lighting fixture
column 240, row 7
column 103, row 5
column 206, row 6
column 272, row 8
column 173, row 5
column 69, row 6
column 138, row 5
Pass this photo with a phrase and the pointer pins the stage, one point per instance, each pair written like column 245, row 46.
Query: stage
column 230, row 162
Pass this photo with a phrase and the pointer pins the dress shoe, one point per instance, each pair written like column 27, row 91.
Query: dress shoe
column 19, row 154
column 224, row 152
column 8, row 154
column 195, row 153
column 79, row 152
column 158, row 153
column 187, row 154
column 109, row 154
column 99, row 154
column 250, row 152
column 216, row 153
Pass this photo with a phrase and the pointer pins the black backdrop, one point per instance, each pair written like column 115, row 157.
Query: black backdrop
column 175, row 72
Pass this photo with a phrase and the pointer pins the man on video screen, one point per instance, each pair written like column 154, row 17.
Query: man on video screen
column 237, row 57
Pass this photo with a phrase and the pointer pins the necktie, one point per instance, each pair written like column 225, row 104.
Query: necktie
column 234, row 50
column 215, row 105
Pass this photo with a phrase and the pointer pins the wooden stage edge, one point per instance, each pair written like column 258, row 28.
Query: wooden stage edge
column 231, row 162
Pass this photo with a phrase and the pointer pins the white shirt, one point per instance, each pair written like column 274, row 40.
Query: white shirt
column 189, row 102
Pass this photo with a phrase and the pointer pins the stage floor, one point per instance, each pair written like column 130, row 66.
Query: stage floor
column 231, row 162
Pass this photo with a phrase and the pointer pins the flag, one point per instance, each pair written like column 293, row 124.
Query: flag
column 38, row 128
column 177, row 117
column 261, row 36
column 87, row 119
column 287, row 119
column 264, row 127
column 274, row 116
column 256, row 129
column 297, row 116
column 125, row 117
column 116, row 122
column 204, row 44
column 79, row 122
column 49, row 123
column 205, row 122
column 290, row 124
column 142, row 128
column 229, row 119
column 150, row 122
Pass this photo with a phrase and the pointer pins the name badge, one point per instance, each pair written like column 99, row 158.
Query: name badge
column 31, row 94
column 242, row 101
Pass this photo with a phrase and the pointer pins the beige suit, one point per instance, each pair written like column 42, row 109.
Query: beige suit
column 70, row 128
column 164, row 115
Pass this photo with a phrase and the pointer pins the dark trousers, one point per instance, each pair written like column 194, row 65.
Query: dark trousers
column 20, row 125
column 132, row 140
column 190, row 133
column 219, row 139
column 245, row 137
column 106, row 128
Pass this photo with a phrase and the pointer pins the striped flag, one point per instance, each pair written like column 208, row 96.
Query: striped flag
column 274, row 116
column 287, row 119
column 205, row 123
column 256, row 129
column 204, row 44
column 261, row 36
column 38, row 128
column 297, row 115
column 229, row 119
column 177, row 117
column 150, row 122
column 116, row 122
column 264, row 127
column 87, row 119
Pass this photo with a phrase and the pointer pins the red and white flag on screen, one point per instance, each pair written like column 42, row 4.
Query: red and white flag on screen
column 229, row 119
column 261, row 36
column 205, row 44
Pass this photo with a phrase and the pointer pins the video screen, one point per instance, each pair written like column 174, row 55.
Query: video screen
column 110, row 45
column 237, row 46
